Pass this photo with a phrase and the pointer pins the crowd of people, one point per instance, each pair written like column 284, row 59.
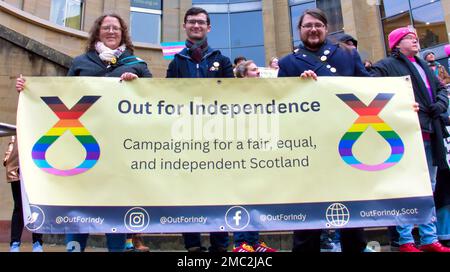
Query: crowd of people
column 110, row 53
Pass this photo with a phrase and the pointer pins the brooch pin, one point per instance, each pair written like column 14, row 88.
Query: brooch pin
column 215, row 67
column 113, row 60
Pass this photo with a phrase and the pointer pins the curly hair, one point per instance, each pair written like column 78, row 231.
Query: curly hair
column 94, row 33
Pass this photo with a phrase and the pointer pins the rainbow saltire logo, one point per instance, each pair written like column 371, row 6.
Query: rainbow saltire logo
column 368, row 116
column 69, row 120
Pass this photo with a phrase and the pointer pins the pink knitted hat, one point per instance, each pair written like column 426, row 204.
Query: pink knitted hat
column 397, row 35
column 447, row 50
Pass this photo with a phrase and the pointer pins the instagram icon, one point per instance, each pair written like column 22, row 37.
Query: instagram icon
column 136, row 219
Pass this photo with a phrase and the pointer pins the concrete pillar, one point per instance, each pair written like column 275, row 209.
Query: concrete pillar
column 270, row 36
column 362, row 21
column 277, row 28
column 446, row 8
column 283, row 27
column 184, row 6
column 172, row 20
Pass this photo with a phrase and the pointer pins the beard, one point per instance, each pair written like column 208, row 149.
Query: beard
column 313, row 45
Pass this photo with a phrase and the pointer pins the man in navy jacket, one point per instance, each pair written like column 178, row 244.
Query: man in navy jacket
column 198, row 60
column 317, row 56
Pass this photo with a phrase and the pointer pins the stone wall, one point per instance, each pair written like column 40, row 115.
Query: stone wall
column 366, row 29
column 277, row 29
column 16, row 60
column 446, row 8
column 33, row 46
column 69, row 41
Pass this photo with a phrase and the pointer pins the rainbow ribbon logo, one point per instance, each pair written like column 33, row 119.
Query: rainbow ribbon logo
column 68, row 121
column 368, row 116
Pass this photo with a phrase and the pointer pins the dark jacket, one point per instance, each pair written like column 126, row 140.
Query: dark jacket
column 442, row 192
column 430, row 111
column 345, row 61
column 344, row 38
column 90, row 64
column 212, row 65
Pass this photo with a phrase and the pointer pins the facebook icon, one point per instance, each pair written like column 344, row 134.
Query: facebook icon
column 237, row 218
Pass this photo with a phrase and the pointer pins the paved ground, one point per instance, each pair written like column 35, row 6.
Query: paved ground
column 26, row 247
column 174, row 242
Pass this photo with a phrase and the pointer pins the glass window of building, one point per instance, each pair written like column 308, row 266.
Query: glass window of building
column 430, row 25
column 393, row 7
column 237, row 28
column 426, row 16
column 332, row 9
column 219, row 37
column 67, row 13
column 145, row 21
column 296, row 13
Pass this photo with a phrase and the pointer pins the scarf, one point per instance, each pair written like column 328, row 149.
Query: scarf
column 438, row 148
column 434, row 66
column 197, row 50
column 424, row 77
column 106, row 54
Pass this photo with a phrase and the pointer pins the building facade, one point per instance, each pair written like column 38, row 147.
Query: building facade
column 40, row 38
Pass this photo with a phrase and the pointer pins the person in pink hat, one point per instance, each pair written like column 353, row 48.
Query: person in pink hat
column 433, row 101
column 447, row 51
